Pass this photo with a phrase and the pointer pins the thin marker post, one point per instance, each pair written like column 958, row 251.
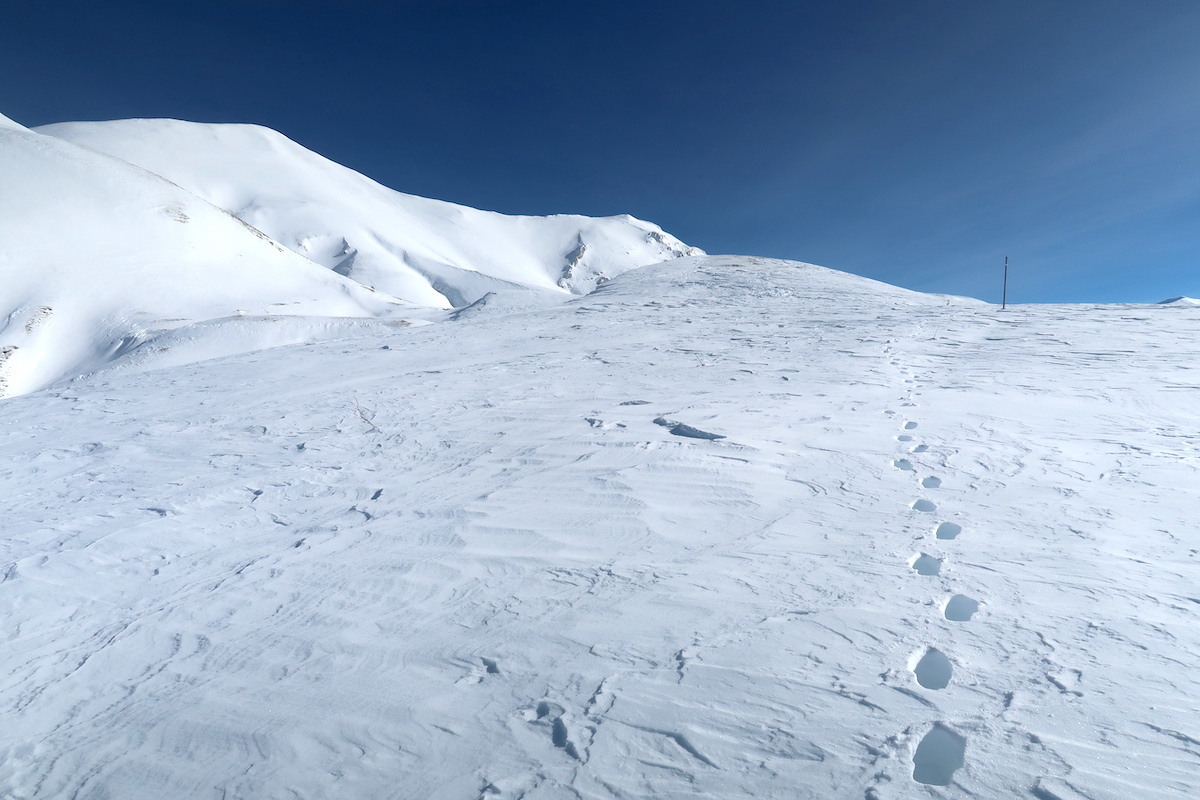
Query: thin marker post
column 1004, row 296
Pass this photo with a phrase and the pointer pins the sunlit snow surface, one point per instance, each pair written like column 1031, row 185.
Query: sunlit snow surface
column 424, row 251
column 126, row 235
column 462, row 561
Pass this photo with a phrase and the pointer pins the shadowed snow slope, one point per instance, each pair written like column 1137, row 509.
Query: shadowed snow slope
column 96, row 253
column 462, row 560
column 426, row 251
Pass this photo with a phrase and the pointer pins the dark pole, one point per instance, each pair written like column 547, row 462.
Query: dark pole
column 1004, row 297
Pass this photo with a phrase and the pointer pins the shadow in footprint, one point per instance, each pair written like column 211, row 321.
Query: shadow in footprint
column 559, row 735
column 904, row 437
column 904, row 464
column 939, row 755
column 921, row 448
column 926, row 564
column 948, row 530
column 924, row 505
column 933, row 670
column 960, row 608
column 932, row 482
column 908, row 426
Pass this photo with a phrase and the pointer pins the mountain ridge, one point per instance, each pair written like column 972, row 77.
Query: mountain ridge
column 430, row 252
column 101, row 252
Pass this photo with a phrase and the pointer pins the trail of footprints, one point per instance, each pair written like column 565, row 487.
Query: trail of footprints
column 942, row 751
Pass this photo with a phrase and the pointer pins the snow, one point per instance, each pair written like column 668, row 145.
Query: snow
column 1183, row 301
column 187, row 241
column 428, row 252
column 97, row 255
column 461, row 560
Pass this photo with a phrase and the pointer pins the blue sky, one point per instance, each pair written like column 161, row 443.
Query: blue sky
column 917, row 142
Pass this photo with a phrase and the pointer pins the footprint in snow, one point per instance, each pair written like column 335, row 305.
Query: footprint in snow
column 960, row 608
column 559, row 735
column 549, row 710
column 940, row 754
column 1067, row 681
column 904, row 464
column 948, row 530
column 926, row 506
column 908, row 426
column 926, row 564
column 932, row 670
column 931, row 482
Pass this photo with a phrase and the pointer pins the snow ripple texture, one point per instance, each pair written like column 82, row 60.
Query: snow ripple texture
column 462, row 560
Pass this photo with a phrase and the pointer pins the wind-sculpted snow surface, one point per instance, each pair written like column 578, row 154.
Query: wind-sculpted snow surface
column 425, row 251
column 462, row 561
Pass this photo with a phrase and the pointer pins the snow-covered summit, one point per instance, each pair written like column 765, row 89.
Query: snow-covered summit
column 95, row 252
column 1179, row 301
column 426, row 251
column 114, row 233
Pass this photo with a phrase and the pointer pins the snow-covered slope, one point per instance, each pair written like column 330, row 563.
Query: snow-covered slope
column 113, row 235
column 942, row 551
column 426, row 251
column 96, row 254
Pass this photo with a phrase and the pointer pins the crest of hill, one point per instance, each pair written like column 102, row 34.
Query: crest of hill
column 96, row 253
column 428, row 252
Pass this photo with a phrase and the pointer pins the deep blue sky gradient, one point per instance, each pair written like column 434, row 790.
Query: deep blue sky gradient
column 916, row 142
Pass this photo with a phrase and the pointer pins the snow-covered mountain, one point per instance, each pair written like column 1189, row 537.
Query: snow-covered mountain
column 940, row 551
column 197, row 241
column 714, row 527
column 95, row 253
column 425, row 251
